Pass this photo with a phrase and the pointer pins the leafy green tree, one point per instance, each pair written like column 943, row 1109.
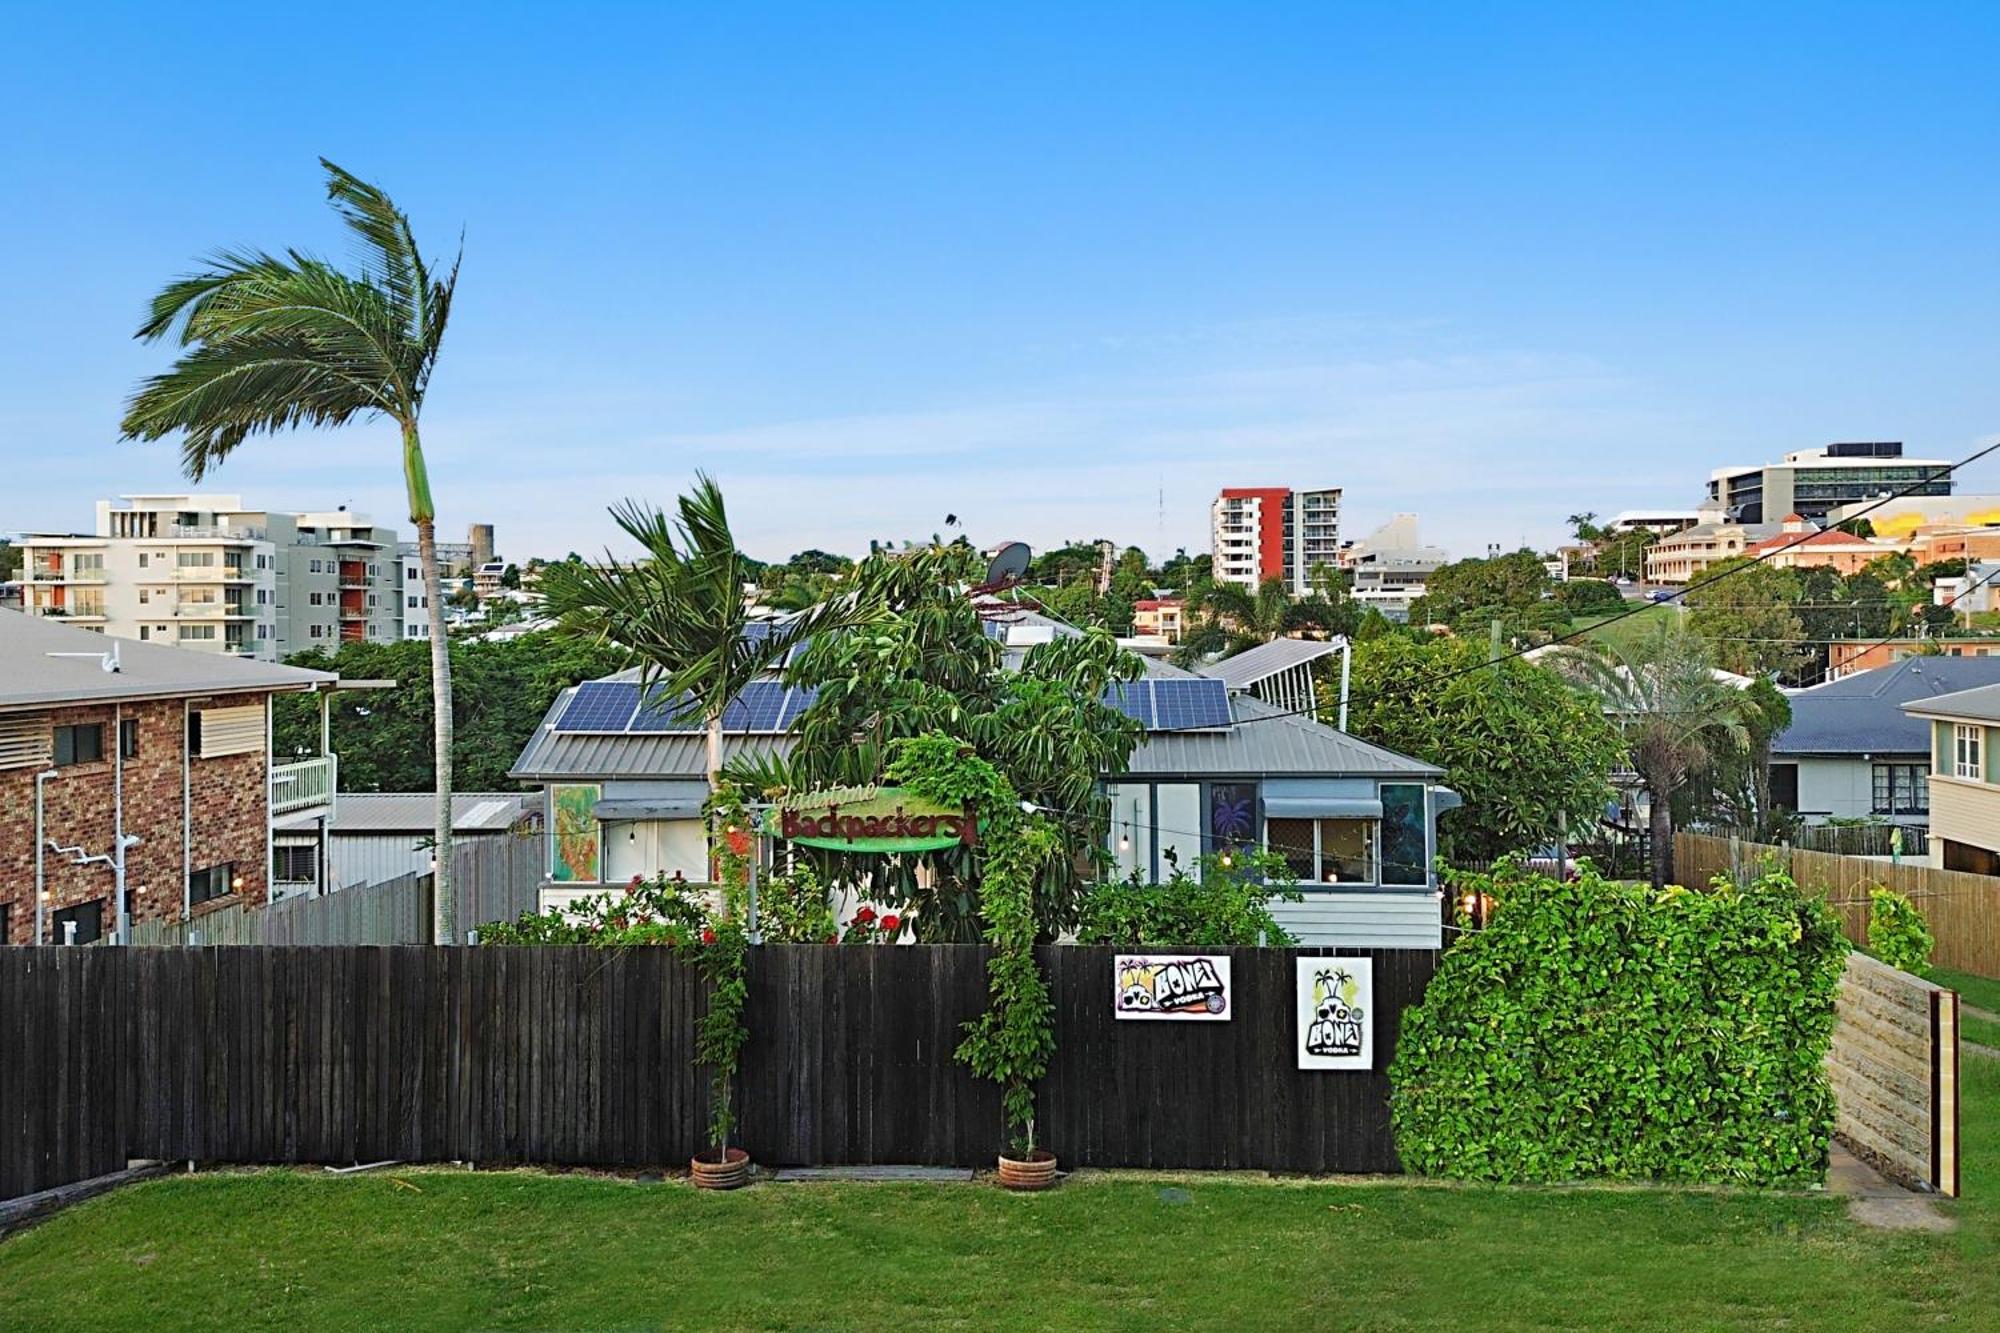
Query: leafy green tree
column 1590, row 597
column 682, row 609
column 928, row 667
column 1529, row 754
column 1513, row 582
column 382, row 736
column 1745, row 610
column 272, row 342
column 10, row 561
column 1662, row 692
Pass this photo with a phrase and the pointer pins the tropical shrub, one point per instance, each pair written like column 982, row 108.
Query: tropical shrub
column 1226, row 902
column 1606, row 1030
column 1897, row 932
column 1012, row 1042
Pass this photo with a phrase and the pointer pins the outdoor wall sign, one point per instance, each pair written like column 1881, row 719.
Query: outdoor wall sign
column 870, row 819
column 1187, row 987
column 1336, row 1022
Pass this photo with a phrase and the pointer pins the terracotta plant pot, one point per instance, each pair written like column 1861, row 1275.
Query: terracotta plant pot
column 1036, row 1171
column 733, row 1172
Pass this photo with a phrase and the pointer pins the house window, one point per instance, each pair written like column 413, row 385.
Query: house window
column 1901, row 789
column 143, row 598
column 315, row 566
column 296, row 863
column 1232, row 814
column 145, row 633
column 79, row 744
column 88, row 918
column 1405, row 835
column 1325, row 851
column 142, row 565
column 1966, row 744
column 128, row 738
column 196, row 560
column 213, row 882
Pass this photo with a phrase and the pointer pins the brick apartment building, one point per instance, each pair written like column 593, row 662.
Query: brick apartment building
column 172, row 742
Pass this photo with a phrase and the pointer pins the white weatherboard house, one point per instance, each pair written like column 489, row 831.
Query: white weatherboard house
column 1853, row 752
column 1217, row 768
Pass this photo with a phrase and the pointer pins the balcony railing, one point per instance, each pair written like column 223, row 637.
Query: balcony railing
column 302, row 785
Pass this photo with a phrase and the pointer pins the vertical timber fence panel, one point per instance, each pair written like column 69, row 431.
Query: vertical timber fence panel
column 1963, row 908
column 580, row 1056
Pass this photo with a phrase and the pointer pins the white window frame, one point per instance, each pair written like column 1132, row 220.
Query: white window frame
column 1968, row 743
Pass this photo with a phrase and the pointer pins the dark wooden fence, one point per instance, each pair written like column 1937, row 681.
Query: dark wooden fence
column 575, row 1056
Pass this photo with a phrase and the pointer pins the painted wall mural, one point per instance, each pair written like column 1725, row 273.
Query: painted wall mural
column 575, row 840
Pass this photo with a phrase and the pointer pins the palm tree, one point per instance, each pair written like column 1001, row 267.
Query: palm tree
column 1674, row 709
column 276, row 341
column 682, row 609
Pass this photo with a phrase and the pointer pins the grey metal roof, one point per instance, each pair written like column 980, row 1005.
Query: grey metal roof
column 31, row 676
column 1268, row 740
column 556, row 756
column 1266, row 660
column 1864, row 713
column 1977, row 705
column 408, row 812
column 1264, row 740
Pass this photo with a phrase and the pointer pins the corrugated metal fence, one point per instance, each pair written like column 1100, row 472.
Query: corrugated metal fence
column 1963, row 908
column 497, row 880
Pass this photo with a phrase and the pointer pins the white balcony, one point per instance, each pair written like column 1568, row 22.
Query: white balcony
column 304, row 784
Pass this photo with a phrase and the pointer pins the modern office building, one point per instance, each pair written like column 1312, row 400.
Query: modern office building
column 204, row 572
column 1389, row 569
column 1270, row 532
column 1812, row 482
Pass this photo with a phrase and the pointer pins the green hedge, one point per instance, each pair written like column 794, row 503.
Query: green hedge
column 1599, row 1030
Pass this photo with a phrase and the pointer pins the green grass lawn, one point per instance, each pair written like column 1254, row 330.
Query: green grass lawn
column 1620, row 633
column 454, row 1249
column 1981, row 992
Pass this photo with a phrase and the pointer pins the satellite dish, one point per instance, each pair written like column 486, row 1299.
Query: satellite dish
column 1009, row 563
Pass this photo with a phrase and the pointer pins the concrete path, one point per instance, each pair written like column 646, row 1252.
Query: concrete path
column 1874, row 1200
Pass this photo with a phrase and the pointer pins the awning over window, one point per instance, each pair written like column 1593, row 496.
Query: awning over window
column 647, row 807
column 1321, row 807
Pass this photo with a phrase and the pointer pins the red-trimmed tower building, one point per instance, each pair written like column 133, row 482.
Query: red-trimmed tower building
column 1266, row 532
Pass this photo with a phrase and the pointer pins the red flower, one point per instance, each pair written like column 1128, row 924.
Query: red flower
column 707, row 936
column 739, row 841
column 891, row 924
column 637, row 880
column 833, row 937
column 865, row 916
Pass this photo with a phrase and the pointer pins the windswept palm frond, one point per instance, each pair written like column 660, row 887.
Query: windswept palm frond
column 275, row 341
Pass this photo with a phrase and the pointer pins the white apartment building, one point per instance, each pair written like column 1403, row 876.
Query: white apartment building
column 1266, row 532
column 204, row 572
column 1391, row 567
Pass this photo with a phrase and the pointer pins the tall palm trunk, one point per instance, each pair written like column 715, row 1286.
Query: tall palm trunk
column 444, row 905
column 714, row 753
column 1660, row 830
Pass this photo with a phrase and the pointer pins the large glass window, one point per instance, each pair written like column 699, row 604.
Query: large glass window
column 1232, row 814
column 1405, row 841
column 1901, row 789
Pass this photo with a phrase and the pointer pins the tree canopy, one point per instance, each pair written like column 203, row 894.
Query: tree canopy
column 1525, row 750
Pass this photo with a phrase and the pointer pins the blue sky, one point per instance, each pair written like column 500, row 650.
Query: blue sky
column 1060, row 270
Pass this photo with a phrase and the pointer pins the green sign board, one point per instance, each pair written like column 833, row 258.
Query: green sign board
column 870, row 819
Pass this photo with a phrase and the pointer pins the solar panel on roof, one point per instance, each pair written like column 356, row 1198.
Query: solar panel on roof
column 658, row 712
column 1134, row 699
column 599, row 705
column 1187, row 705
column 797, row 700
column 758, row 708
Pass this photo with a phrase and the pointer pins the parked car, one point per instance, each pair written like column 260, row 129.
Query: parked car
column 1663, row 594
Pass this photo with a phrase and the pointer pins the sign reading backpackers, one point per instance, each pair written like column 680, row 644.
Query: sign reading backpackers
column 1178, row 986
column 1336, row 999
column 870, row 819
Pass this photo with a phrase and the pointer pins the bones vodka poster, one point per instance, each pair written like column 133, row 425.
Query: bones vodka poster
column 1336, row 1021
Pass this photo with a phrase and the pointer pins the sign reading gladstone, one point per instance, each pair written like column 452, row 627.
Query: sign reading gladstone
column 1181, row 986
column 870, row 819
